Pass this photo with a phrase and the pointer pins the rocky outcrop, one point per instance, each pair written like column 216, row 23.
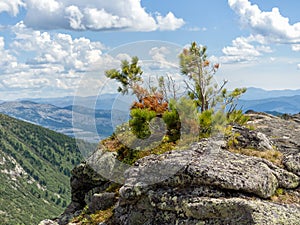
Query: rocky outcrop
column 214, row 187
column 203, row 184
column 85, row 183
column 283, row 133
column 251, row 139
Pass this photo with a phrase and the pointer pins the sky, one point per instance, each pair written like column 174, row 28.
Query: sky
column 55, row 48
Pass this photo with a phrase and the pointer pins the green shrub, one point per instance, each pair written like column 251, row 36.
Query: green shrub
column 139, row 122
column 205, row 122
column 171, row 119
column 237, row 117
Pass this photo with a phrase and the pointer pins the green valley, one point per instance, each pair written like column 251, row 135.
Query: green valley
column 35, row 165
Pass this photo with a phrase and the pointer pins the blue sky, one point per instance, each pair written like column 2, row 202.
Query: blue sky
column 51, row 48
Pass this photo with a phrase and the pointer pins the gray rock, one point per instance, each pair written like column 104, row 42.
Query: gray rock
column 213, row 186
column 292, row 162
column 48, row 222
column 219, row 168
column 285, row 178
column 284, row 134
column 241, row 211
column 102, row 201
column 84, row 179
column 251, row 139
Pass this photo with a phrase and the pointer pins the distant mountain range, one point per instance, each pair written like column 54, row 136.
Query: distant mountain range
column 78, row 117
column 102, row 102
column 62, row 119
column 281, row 101
column 276, row 101
column 35, row 165
column 286, row 104
column 259, row 94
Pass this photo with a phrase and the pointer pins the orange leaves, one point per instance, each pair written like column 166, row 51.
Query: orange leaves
column 153, row 102
column 205, row 63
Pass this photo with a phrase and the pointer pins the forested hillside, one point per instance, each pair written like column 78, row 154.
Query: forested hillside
column 35, row 165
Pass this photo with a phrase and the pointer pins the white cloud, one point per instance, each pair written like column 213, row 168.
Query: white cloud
column 243, row 50
column 194, row 29
column 6, row 59
column 49, row 6
column 49, row 62
column 123, row 56
column 169, row 22
column 11, row 6
column 100, row 19
column 75, row 17
column 240, row 46
column 264, row 48
column 298, row 66
column 296, row 47
column 158, row 53
column 272, row 26
column 266, row 28
column 96, row 15
column 78, row 54
column 161, row 58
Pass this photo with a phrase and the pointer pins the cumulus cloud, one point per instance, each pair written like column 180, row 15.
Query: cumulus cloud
column 6, row 59
column 52, row 62
column 50, row 6
column 272, row 26
column 242, row 50
column 75, row 17
column 101, row 19
column 240, row 46
column 266, row 28
column 78, row 54
column 11, row 6
column 169, row 22
column 96, row 15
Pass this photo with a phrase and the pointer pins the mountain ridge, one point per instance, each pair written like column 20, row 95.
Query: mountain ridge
column 60, row 119
column 254, row 93
column 284, row 104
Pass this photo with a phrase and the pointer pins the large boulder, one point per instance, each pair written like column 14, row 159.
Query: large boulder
column 210, row 185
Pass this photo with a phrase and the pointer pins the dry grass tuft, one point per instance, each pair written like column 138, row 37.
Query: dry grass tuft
column 273, row 156
column 285, row 197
